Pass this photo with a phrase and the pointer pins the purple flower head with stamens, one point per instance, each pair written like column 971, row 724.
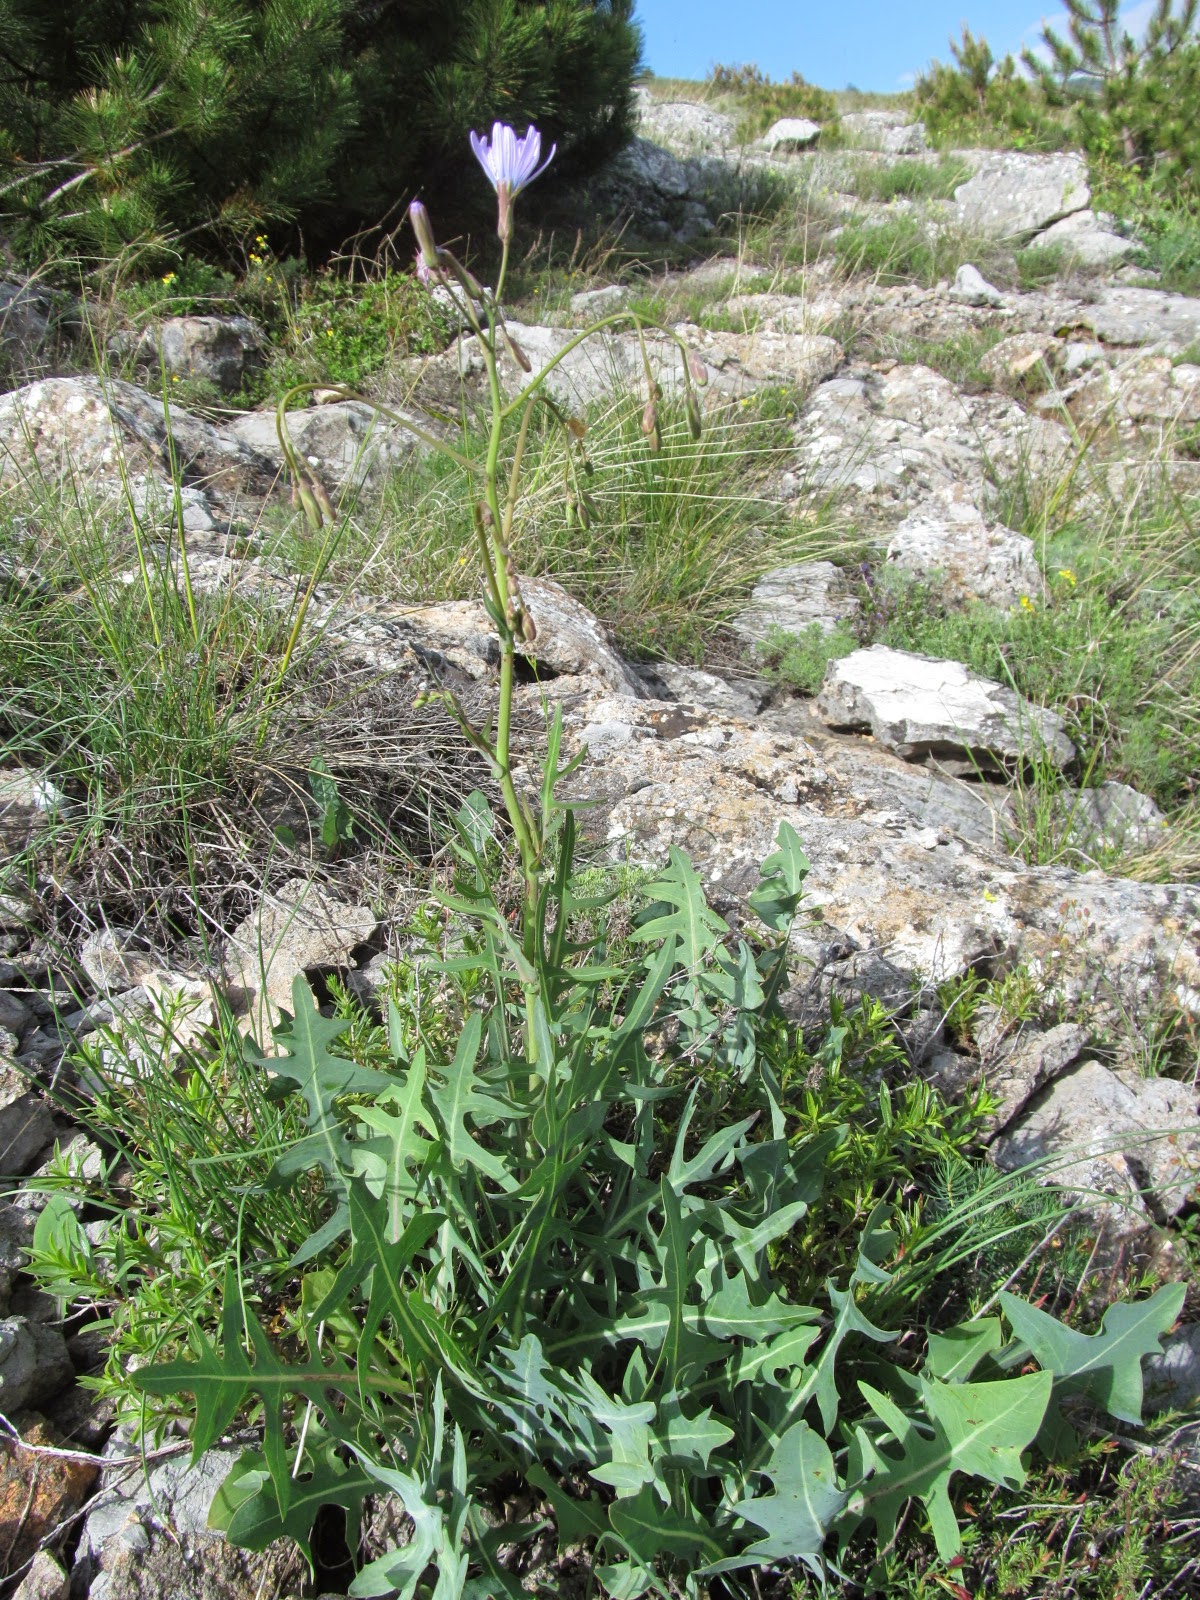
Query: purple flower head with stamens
column 511, row 165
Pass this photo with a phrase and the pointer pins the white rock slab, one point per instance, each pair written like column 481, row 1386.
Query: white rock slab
column 919, row 707
column 975, row 558
column 1013, row 195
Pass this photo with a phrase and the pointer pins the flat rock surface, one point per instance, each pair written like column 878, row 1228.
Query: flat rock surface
column 920, row 707
column 972, row 556
column 809, row 594
column 1012, row 195
column 664, row 774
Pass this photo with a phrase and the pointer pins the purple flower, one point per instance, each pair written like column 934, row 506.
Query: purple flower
column 511, row 165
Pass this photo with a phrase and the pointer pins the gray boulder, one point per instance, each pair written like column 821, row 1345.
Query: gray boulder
column 218, row 350
column 348, row 443
column 790, row 134
column 889, row 131
column 26, row 324
column 1168, row 323
column 810, row 594
column 1012, row 195
column 1084, row 236
column 684, row 128
column 1113, row 1134
column 34, row 1364
column 975, row 557
column 919, row 708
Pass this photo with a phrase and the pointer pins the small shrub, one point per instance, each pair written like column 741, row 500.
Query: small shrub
column 764, row 102
column 800, row 659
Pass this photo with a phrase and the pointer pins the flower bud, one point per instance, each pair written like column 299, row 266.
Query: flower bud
column 423, row 229
column 577, row 427
column 517, row 353
column 697, row 369
column 589, row 506
column 692, row 407
column 312, row 511
column 650, row 418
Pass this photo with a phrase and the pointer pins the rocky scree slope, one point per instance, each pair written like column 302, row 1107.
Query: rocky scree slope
column 898, row 776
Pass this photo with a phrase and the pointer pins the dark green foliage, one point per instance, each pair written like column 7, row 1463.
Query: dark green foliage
column 980, row 98
column 126, row 125
column 1133, row 103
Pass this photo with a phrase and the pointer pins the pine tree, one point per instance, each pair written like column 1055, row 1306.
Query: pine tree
column 1134, row 103
column 132, row 122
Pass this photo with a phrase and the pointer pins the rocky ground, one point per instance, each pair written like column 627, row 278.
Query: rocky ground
column 900, row 776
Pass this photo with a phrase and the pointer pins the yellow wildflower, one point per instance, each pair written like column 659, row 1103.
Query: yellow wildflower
column 1068, row 575
column 1027, row 604
column 168, row 277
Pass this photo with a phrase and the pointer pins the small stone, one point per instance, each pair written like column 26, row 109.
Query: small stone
column 26, row 1122
column 45, row 1580
column 112, row 960
column 34, row 1364
column 971, row 288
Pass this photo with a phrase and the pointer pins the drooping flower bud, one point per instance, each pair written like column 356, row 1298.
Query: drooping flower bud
column 697, row 369
column 650, row 417
column 423, row 229
column 692, row 407
column 517, row 353
column 577, row 427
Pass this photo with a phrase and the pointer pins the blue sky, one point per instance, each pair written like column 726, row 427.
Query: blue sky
column 875, row 44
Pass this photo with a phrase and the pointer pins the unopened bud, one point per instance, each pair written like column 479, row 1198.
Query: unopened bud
column 692, row 407
column 423, row 229
column 583, row 511
column 528, row 630
column 587, row 466
column 577, row 427
column 483, row 514
column 312, row 511
column 588, row 505
column 655, row 439
column 321, row 496
column 697, row 369
column 517, row 353
column 650, row 417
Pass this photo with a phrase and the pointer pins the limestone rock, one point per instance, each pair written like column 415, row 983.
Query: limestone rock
column 1173, row 1378
column 1084, row 237
column 89, row 424
column 592, row 303
column 611, row 362
column 1167, row 323
column 112, row 960
column 46, row 1580
column 34, row 1364
column 1012, row 195
column 921, row 708
column 686, row 129
column 347, row 442
column 889, row 131
column 642, row 166
column 148, row 1537
column 971, row 288
column 298, row 928
column 795, row 599
column 665, row 680
column 1025, row 1065
column 219, row 350
column 883, row 443
column 1145, row 391
column 1137, row 1139
column 976, row 558
column 907, row 884
column 786, row 313
column 1019, row 355
column 790, row 134
column 1113, row 817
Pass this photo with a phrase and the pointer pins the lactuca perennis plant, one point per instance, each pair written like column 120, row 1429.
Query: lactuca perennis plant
column 552, row 1213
